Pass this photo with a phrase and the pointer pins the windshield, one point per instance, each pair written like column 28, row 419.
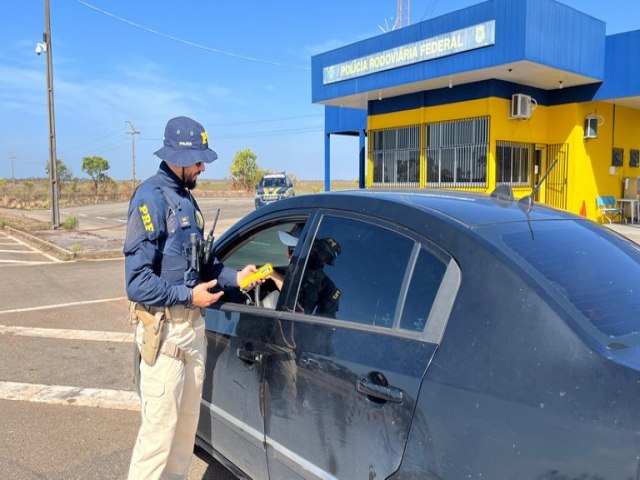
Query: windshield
column 597, row 272
column 272, row 182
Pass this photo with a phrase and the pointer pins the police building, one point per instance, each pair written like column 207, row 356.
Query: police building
column 494, row 94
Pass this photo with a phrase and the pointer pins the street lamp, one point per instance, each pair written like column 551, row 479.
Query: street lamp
column 45, row 46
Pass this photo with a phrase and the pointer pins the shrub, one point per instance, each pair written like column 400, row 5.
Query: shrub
column 70, row 223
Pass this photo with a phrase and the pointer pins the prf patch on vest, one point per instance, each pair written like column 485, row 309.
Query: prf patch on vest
column 336, row 295
column 199, row 220
column 146, row 218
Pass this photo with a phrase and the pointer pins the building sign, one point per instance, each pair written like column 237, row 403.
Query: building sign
column 470, row 38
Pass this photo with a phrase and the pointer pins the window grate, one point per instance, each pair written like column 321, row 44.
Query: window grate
column 514, row 163
column 456, row 153
column 396, row 157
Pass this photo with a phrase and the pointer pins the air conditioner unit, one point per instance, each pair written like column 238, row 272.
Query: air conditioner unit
column 521, row 106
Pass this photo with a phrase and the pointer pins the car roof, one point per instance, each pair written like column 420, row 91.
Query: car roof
column 274, row 175
column 469, row 209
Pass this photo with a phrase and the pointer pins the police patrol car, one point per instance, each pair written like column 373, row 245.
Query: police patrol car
column 272, row 187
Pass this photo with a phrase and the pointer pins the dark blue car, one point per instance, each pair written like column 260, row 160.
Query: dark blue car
column 442, row 335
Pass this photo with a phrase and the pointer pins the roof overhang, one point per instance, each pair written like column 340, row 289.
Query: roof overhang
column 524, row 73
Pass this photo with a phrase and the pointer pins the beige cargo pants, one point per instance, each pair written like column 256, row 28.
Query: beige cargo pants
column 170, row 394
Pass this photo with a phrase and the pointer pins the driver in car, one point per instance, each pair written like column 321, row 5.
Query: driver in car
column 318, row 294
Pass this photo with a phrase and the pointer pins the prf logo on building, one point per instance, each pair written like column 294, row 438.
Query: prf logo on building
column 470, row 38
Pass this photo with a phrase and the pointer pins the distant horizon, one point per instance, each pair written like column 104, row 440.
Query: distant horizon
column 139, row 180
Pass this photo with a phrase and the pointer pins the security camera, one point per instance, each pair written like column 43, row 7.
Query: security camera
column 40, row 47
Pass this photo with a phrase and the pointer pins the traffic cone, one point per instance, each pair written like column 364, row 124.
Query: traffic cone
column 583, row 210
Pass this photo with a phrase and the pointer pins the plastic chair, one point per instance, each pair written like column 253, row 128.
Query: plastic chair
column 607, row 206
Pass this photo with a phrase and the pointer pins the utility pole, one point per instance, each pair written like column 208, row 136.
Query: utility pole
column 133, row 132
column 45, row 46
column 12, row 157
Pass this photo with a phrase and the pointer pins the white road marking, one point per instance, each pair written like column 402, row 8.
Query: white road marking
column 19, row 251
column 102, row 218
column 60, row 305
column 46, row 255
column 83, row 215
column 24, row 262
column 66, row 334
column 63, row 395
column 120, row 220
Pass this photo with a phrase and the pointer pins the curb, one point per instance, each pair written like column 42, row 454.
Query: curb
column 99, row 254
column 63, row 253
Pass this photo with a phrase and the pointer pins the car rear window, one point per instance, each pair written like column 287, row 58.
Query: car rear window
column 273, row 182
column 597, row 272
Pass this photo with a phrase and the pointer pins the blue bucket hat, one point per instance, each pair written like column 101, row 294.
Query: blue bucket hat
column 185, row 143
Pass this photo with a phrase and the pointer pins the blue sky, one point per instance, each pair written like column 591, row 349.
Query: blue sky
column 240, row 68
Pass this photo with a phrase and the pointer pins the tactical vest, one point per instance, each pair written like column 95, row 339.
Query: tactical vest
column 183, row 219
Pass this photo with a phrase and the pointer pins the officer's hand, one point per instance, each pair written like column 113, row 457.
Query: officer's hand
column 202, row 297
column 244, row 273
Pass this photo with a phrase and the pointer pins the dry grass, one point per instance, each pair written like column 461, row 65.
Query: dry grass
column 35, row 194
column 21, row 222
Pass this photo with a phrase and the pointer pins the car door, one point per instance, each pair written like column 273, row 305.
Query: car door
column 231, row 418
column 360, row 326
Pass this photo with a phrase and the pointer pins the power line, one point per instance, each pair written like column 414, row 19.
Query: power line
column 188, row 42
column 261, row 133
column 430, row 10
column 270, row 133
column 90, row 142
column 111, row 146
column 247, row 122
column 271, row 120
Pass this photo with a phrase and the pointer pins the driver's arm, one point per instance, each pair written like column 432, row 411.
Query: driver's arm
column 278, row 279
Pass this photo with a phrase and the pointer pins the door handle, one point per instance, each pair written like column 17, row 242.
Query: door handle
column 382, row 392
column 250, row 356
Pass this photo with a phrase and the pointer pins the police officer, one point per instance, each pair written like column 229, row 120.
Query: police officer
column 318, row 294
column 162, row 255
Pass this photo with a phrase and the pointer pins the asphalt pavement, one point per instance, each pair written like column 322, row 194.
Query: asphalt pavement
column 66, row 392
column 69, row 410
column 101, row 228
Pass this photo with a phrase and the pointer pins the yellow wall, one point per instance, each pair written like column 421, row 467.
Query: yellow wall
column 589, row 160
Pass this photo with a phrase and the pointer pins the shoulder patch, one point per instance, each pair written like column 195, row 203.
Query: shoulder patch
column 146, row 218
column 199, row 220
column 336, row 294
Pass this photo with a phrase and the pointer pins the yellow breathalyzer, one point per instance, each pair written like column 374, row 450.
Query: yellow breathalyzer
column 262, row 273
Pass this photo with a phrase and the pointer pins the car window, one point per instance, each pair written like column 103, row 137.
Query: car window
column 273, row 182
column 261, row 247
column 426, row 279
column 354, row 272
column 594, row 271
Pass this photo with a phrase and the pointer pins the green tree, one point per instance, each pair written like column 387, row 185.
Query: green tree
column 245, row 169
column 96, row 168
column 63, row 172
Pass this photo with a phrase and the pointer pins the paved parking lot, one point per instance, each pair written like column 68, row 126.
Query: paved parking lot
column 66, row 391
column 14, row 251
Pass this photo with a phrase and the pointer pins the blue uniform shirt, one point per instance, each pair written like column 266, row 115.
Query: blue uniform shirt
column 162, row 216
